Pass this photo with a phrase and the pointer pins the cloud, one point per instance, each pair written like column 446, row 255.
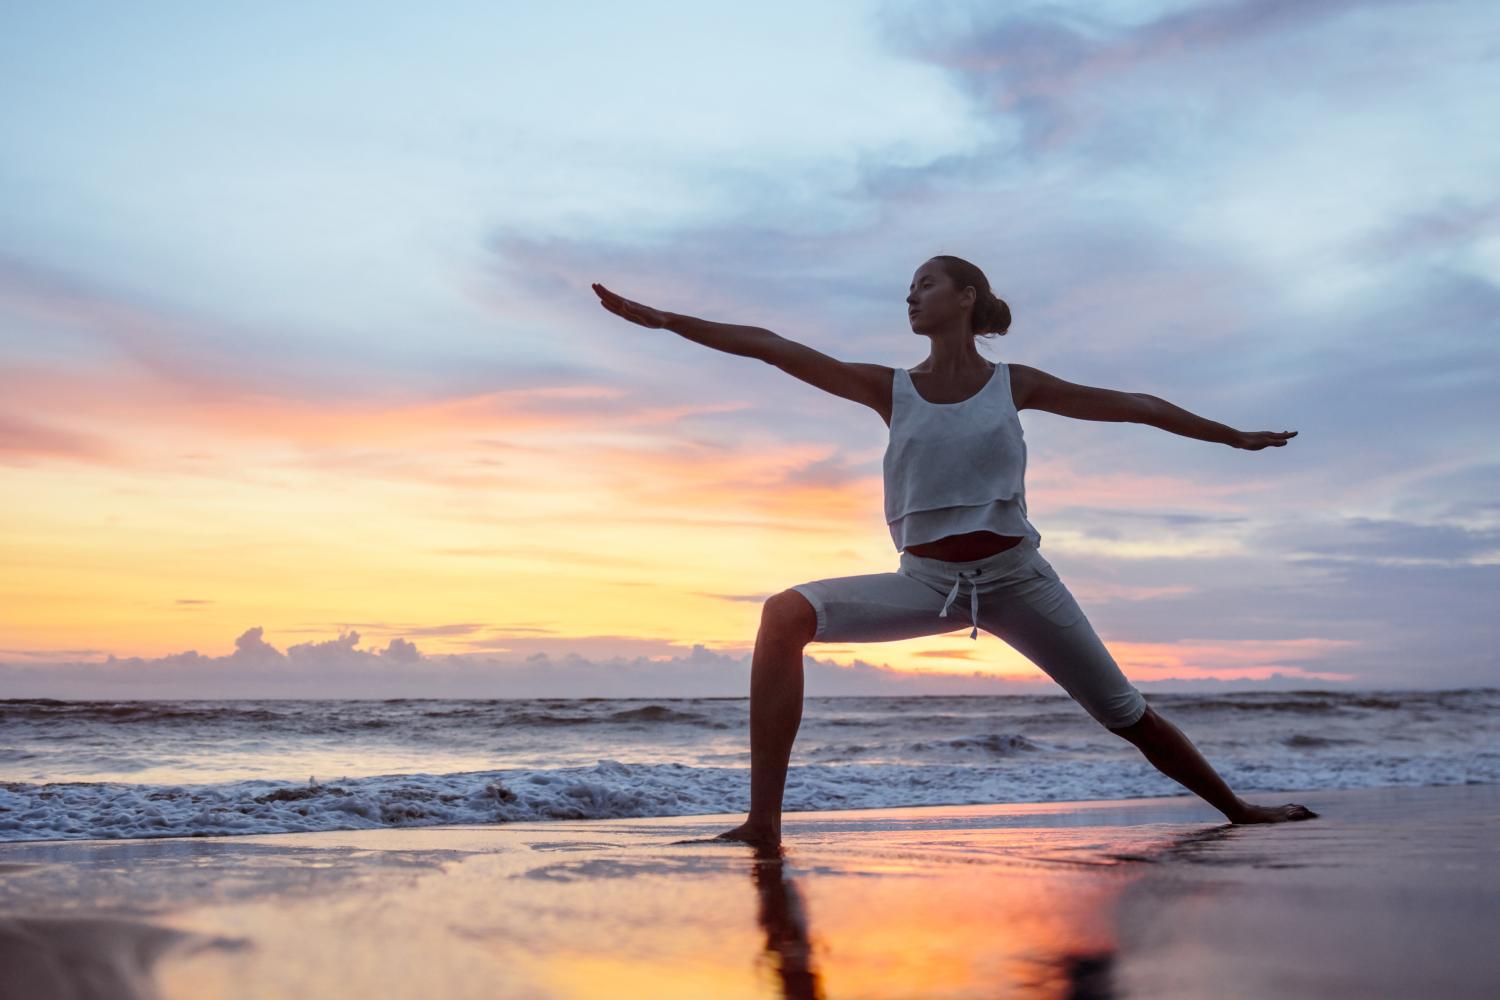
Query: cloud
column 251, row 645
column 1369, row 541
column 23, row 440
column 1245, row 660
column 1068, row 75
column 740, row 598
column 402, row 651
column 456, row 628
column 339, row 668
column 1391, row 602
column 168, row 343
column 163, row 368
column 1452, row 225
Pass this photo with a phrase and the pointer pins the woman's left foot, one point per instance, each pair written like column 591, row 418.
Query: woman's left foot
column 1272, row 814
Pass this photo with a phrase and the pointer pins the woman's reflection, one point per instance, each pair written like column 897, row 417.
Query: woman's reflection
column 784, row 920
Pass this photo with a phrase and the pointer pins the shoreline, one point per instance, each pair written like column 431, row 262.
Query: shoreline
column 1386, row 894
column 730, row 818
column 148, row 770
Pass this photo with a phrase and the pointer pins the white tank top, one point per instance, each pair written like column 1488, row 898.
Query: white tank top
column 952, row 468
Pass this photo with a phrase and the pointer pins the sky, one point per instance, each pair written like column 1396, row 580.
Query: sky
column 304, row 391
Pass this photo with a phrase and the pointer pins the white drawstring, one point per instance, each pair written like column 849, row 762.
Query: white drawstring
column 973, row 601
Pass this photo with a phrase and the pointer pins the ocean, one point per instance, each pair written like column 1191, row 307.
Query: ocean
column 75, row 769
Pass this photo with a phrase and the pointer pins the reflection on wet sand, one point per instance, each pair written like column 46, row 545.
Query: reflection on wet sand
column 955, row 902
column 89, row 958
column 1034, row 919
column 784, row 920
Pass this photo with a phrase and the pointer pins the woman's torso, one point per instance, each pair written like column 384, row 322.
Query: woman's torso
column 970, row 545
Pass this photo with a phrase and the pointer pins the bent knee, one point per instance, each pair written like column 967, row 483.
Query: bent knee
column 1121, row 712
column 791, row 614
column 1129, row 722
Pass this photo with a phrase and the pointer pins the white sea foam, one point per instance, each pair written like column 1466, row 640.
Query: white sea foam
column 94, row 770
column 611, row 788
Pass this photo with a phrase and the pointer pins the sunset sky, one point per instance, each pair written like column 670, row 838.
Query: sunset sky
column 303, row 389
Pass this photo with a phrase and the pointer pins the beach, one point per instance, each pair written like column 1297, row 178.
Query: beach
column 1390, row 892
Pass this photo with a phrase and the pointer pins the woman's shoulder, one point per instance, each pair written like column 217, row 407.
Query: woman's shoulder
column 1022, row 379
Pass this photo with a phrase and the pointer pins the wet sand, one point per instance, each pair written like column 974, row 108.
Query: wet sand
column 1392, row 892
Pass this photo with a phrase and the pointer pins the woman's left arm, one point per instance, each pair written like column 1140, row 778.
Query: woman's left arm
column 1037, row 390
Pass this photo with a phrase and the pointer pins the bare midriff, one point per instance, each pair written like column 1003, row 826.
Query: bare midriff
column 966, row 547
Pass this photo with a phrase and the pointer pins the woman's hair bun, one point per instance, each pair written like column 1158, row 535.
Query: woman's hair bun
column 991, row 315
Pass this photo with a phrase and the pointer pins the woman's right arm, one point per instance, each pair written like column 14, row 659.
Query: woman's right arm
column 746, row 341
column 862, row 383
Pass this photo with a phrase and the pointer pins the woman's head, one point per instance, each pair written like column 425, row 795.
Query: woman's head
column 945, row 287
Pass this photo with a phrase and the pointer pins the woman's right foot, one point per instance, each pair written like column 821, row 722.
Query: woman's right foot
column 1290, row 812
column 759, row 834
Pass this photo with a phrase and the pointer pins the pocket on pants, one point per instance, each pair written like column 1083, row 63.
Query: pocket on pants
column 1045, row 594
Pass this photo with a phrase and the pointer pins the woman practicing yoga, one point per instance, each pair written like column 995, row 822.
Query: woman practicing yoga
column 956, row 505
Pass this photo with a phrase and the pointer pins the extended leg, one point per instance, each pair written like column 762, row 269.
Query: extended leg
column 1047, row 626
column 787, row 625
column 1174, row 755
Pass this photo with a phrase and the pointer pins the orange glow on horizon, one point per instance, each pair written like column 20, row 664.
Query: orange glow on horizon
column 156, row 509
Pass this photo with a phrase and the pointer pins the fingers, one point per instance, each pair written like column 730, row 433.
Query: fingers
column 1256, row 440
column 610, row 300
column 624, row 308
column 635, row 312
column 605, row 295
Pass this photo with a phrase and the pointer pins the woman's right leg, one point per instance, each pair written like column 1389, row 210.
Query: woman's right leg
column 787, row 624
column 877, row 607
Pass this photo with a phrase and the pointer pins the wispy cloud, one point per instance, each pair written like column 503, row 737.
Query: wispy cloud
column 23, row 440
column 1068, row 75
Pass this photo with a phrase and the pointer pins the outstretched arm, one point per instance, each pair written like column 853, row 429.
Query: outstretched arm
column 859, row 382
column 746, row 341
column 1040, row 391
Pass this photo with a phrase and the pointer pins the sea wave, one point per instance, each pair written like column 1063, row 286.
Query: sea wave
column 616, row 789
column 336, row 715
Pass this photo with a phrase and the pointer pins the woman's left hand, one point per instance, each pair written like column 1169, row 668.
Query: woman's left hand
column 1256, row 440
column 643, row 315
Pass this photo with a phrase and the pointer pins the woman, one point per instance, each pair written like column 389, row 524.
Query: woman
column 955, row 503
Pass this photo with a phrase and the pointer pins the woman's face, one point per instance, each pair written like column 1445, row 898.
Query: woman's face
column 932, row 302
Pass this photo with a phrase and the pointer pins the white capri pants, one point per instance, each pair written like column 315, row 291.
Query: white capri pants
column 1015, row 595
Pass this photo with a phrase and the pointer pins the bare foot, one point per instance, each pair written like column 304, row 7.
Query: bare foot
column 1272, row 814
column 758, row 834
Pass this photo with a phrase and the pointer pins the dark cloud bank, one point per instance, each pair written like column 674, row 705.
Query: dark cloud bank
column 337, row 668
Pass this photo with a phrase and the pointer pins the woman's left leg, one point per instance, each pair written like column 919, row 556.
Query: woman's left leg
column 1042, row 621
column 1174, row 755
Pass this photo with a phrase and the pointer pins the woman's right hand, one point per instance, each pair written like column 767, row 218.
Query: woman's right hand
column 1256, row 440
column 633, row 311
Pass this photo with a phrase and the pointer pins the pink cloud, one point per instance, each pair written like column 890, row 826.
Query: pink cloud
column 23, row 439
column 1249, row 659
